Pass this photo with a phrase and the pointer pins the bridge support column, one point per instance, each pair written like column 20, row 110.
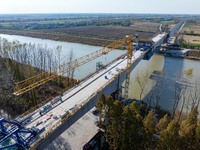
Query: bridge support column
column 117, row 95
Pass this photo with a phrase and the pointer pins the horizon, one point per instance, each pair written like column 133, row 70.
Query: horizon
column 97, row 13
column 94, row 6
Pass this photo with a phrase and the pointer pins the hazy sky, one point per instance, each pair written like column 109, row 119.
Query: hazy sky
column 100, row 6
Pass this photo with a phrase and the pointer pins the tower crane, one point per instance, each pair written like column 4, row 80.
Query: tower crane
column 37, row 80
column 129, row 41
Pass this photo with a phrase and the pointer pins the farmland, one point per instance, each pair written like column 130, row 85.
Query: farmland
column 110, row 32
column 93, row 35
column 190, row 34
column 93, row 29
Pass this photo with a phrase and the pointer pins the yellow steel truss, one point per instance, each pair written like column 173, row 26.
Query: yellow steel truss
column 37, row 80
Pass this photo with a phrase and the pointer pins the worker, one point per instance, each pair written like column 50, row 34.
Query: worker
column 61, row 99
column 106, row 77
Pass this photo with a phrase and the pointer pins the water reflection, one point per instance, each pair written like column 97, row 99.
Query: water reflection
column 162, row 74
column 79, row 50
column 165, row 80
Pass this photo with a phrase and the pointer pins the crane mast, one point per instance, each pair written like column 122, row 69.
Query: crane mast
column 129, row 41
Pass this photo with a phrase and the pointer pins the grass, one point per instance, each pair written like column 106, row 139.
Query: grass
column 186, row 25
column 168, row 22
column 190, row 45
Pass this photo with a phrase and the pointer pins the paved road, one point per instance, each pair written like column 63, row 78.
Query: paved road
column 78, row 95
column 176, row 28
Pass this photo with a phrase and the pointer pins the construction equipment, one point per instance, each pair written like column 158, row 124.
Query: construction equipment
column 145, row 40
column 37, row 80
column 129, row 41
column 12, row 133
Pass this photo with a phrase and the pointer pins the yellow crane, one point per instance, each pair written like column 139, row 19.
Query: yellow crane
column 129, row 41
column 37, row 80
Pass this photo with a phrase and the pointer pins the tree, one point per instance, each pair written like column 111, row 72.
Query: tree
column 169, row 138
column 141, row 79
column 163, row 123
column 70, row 59
column 59, row 50
column 114, row 127
column 188, row 72
column 197, row 133
column 132, row 130
column 188, row 129
column 101, row 107
column 194, row 95
column 149, row 125
column 191, row 32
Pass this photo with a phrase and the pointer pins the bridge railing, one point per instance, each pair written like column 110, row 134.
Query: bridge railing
column 33, row 109
column 64, row 91
column 83, row 104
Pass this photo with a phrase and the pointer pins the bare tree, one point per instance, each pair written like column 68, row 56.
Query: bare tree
column 141, row 79
column 71, row 58
column 194, row 95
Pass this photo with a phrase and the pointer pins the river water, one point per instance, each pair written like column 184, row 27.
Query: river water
column 78, row 51
column 169, row 72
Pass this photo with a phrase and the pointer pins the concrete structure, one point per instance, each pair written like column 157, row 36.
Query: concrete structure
column 158, row 40
column 175, row 53
column 86, row 96
column 75, row 103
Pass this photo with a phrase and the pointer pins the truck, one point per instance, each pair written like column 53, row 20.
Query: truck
column 44, row 109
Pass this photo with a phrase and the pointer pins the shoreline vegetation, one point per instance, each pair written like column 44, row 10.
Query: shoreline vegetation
column 21, row 61
column 97, row 30
column 16, row 105
column 193, row 54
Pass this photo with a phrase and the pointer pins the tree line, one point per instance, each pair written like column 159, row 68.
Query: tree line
column 126, row 22
column 22, row 61
column 128, row 127
column 38, row 56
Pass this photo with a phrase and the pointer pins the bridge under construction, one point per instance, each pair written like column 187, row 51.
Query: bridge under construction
column 41, row 126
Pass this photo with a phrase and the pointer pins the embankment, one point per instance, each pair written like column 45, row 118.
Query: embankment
column 193, row 54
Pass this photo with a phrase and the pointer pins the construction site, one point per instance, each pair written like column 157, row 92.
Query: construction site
column 85, row 100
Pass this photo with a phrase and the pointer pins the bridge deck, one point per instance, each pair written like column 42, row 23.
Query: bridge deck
column 78, row 95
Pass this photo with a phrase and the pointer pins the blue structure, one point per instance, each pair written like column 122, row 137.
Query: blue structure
column 10, row 130
column 148, row 55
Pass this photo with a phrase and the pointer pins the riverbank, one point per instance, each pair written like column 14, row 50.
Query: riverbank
column 193, row 58
column 193, row 54
column 59, row 37
column 10, row 105
column 91, row 35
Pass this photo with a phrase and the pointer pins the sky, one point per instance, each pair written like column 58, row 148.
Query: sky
column 100, row 6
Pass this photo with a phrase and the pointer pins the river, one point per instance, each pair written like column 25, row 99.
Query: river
column 163, row 85
column 78, row 51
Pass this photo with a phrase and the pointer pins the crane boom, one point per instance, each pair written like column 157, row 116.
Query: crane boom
column 37, row 80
